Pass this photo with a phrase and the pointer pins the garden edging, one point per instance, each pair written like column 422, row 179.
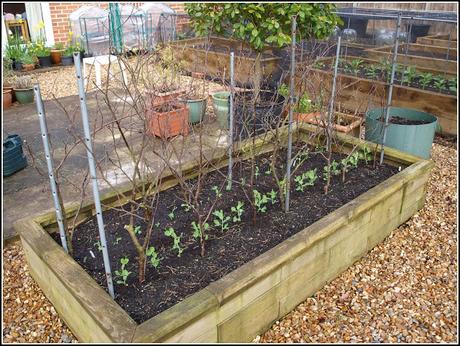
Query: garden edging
column 248, row 300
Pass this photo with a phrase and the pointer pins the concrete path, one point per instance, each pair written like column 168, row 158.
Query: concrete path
column 27, row 193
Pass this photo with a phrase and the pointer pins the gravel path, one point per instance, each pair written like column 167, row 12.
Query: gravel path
column 404, row 290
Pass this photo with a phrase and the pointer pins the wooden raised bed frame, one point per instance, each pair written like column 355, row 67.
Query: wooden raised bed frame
column 360, row 94
column 449, row 66
column 217, row 64
column 438, row 40
column 248, row 300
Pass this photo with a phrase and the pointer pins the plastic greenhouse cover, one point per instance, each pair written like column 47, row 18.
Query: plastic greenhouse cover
column 154, row 12
column 134, row 26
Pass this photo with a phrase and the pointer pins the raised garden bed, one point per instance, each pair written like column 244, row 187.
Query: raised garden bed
column 358, row 89
column 419, row 55
column 212, row 57
column 438, row 40
column 248, row 297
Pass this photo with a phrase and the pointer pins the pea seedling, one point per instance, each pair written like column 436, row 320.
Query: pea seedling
column 260, row 201
column 153, row 257
column 221, row 220
column 238, row 210
column 171, row 214
column 169, row 232
column 365, row 154
column 197, row 231
column 216, row 191
column 333, row 169
column 98, row 245
column 305, row 179
column 425, row 79
column 123, row 273
column 187, row 207
column 117, row 240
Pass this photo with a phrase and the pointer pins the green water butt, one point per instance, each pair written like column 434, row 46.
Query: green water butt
column 415, row 139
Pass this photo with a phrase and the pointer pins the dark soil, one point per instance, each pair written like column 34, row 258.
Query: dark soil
column 178, row 277
column 403, row 121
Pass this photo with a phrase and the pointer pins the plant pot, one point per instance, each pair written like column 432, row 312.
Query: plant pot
column 221, row 107
column 13, row 156
column 353, row 122
column 28, row 67
column 56, row 56
column 197, row 109
column 415, row 139
column 168, row 120
column 45, row 61
column 24, row 96
column 7, row 98
column 17, row 65
column 157, row 99
column 67, row 60
column 253, row 119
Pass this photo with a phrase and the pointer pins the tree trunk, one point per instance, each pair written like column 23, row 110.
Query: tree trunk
column 257, row 77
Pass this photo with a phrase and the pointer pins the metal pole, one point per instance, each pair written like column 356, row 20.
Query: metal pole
column 92, row 170
column 390, row 91
column 291, row 109
column 230, row 126
column 331, row 107
column 49, row 163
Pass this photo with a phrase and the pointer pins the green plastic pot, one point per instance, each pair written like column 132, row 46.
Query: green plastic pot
column 24, row 96
column 197, row 110
column 220, row 104
column 412, row 139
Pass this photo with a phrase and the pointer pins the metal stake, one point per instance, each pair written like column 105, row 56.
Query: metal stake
column 49, row 163
column 291, row 108
column 92, row 170
column 390, row 91
column 331, row 107
column 230, row 129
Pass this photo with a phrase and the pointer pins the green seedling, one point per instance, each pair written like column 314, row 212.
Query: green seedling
column 372, row 71
column 221, row 220
column 353, row 159
column 238, row 211
column 187, row 207
column 257, row 172
column 268, row 172
column 117, row 240
column 305, row 179
column 260, row 201
column 153, row 257
column 123, row 273
column 333, row 169
column 216, row 191
column 408, row 75
column 365, row 154
column 169, row 232
column 453, row 84
column 171, row 214
column 319, row 65
column 354, row 66
column 425, row 79
column 198, row 232
column 137, row 230
column 98, row 245
column 439, row 83
column 272, row 196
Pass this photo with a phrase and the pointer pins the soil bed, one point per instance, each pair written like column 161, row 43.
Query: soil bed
column 402, row 121
column 179, row 277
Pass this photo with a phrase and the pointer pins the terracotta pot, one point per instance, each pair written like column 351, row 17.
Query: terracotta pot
column 7, row 98
column 28, row 67
column 167, row 120
column 353, row 121
column 157, row 99
column 56, row 55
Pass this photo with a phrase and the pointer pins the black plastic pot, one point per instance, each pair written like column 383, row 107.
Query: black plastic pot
column 254, row 119
column 417, row 30
column 17, row 65
column 67, row 60
column 45, row 61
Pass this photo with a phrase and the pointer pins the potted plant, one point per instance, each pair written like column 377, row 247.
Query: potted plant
column 167, row 120
column 67, row 55
column 56, row 53
column 23, row 89
column 43, row 54
column 28, row 62
column 195, row 99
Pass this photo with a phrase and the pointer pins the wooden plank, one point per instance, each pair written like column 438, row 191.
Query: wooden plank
column 438, row 40
column 449, row 66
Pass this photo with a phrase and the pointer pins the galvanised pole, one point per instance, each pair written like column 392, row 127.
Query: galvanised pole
column 230, row 129
column 49, row 164
column 291, row 109
column 390, row 91
column 92, row 170
column 334, row 83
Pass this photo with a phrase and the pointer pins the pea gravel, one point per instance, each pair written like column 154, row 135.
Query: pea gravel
column 404, row 290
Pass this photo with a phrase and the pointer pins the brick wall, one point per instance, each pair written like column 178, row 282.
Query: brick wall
column 60, row 12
